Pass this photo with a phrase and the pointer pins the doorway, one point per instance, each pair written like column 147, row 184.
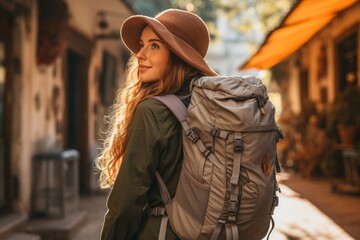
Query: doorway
column 76, row 98
column 5, row 114
column 347, row 50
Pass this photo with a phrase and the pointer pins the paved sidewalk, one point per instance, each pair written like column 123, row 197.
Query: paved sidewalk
column 95, row 207
column 296, row 217
column 342, row 209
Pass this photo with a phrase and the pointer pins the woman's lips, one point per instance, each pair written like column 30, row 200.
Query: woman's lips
column 143, row 67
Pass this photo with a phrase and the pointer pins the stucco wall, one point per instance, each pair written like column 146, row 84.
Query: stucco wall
column 33, row 115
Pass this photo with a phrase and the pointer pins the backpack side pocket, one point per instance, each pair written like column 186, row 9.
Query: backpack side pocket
column 187, row 210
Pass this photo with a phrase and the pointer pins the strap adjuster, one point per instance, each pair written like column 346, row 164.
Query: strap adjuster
column 156, row 211
column 192, row 135
column 238, row 144
column 206, row 153
column 215, row 132
column 233, row 207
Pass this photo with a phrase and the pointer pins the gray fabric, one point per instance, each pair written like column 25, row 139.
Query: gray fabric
column 227, row 184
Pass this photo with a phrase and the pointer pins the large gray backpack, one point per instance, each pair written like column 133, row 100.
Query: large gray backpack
column 227, row 186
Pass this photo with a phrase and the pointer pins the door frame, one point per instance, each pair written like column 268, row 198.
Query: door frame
column 7, row 21
column 81, row 46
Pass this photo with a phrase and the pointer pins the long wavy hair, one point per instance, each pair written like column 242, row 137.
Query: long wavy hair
column 121, row 113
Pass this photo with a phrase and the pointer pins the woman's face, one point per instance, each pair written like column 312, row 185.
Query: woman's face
column 153, row 56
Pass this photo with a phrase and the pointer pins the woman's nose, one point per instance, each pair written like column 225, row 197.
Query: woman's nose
column 141, row 54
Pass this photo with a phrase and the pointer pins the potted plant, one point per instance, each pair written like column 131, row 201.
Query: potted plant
column 344, row 114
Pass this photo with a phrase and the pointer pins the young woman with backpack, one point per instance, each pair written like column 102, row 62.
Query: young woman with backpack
column 144, row 135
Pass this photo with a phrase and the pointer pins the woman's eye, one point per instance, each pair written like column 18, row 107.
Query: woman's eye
column 154, row 46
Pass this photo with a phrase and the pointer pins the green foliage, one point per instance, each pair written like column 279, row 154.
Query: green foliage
column 206, row 9
column 271, row 12
column 268, row 13
column 149, row 8
column 265, row 14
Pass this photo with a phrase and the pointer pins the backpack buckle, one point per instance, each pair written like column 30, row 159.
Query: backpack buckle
column 157, row 211
column 192, row 135
column 238, row 145
column 232, row 210
column 215, row 132
column 233, row 206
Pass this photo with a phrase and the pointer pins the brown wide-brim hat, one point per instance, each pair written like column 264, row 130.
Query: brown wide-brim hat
column 183, row 32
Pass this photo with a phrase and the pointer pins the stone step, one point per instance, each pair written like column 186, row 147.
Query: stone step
column 23, row 236
column 12, row 223
column 57, row 228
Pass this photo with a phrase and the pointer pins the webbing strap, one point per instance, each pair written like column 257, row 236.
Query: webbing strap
column 234, row 203
column 217, row 230
column 244, row 129
column 235, row 231
column 156, row 211
column 176, row 106
column 216, row 132
column 228, row 232
column 232, row 232
column 201, row 146
column 209, row 155
column 237, row 161
column 165, row 195
column 163, row 226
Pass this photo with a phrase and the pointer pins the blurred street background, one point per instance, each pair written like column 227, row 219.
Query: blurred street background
column 62, row 61
column 307, row 210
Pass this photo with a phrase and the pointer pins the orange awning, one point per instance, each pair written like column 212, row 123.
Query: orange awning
column 305, row 19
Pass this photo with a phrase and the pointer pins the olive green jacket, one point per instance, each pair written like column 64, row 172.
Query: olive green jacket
column 154, row 143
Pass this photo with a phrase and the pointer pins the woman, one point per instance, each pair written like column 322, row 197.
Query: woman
column 145, row 136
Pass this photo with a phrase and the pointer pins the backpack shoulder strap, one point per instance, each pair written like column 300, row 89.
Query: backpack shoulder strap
column 176, row 106
column 180, row 111
column 165, row 195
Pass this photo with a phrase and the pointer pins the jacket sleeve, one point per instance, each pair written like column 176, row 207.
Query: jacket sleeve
column 129, row 194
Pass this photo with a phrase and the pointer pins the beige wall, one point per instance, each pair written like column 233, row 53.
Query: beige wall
column 33, row 125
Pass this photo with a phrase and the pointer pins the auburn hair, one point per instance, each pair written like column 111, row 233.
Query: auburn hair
column 121, row 113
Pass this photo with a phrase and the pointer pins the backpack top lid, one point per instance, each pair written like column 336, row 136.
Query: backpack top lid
column 239, row 87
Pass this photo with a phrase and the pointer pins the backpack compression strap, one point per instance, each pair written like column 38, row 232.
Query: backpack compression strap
column 178, row 108
column 165, row 195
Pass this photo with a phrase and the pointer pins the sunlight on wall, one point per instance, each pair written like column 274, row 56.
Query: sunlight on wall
column 275, row 98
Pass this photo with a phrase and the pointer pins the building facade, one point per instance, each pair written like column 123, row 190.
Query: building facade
column 61, row 63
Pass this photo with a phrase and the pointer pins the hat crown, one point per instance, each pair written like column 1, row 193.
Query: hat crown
column 184, row 33
column 188, row 27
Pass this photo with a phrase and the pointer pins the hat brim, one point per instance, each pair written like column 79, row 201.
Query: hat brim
column 131, row 31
